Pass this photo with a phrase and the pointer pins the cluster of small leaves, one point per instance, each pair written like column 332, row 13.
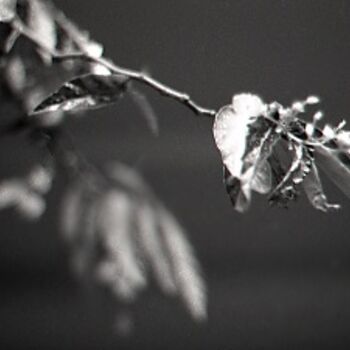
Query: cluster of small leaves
column 120, row 234
column 269, row 149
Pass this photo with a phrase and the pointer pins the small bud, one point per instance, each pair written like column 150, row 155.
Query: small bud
column 328, row 132
column 100, row 70
column 343, row 139
column 312, row 100
column 298, row 107
column 317, row 116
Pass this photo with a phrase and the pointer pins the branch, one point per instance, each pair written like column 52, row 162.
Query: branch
column 163, row 89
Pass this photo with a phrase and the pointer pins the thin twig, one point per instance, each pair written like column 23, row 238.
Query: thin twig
column 163, row 89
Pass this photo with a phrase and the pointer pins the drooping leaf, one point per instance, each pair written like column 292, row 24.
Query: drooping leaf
column 121, row 265
column 336, row 164
column 7, row 10
column 152, row 247
column 189, row 282
column 85, row 92
column 245, row 139
column 314, row 191
column 286, row 191
column 163, row 243
column 17, row 194
column 233, row 188
column 121, row 235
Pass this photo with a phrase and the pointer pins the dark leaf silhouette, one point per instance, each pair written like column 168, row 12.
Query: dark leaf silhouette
column 85, row 92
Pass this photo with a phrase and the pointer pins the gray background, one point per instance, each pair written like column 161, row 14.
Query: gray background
column 278, row 279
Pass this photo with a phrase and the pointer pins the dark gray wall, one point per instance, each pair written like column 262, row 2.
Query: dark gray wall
column 278, row 279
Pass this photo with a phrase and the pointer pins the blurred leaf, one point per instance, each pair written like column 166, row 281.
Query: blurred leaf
column 146, row 109
column 7, row 10
column 152, row 246
column 187, row 275
column 336, row 165
column 85, row 92
column 121, row 268
column 73, row 39
column 314, row 191
column 129, row 234
column 40, row 21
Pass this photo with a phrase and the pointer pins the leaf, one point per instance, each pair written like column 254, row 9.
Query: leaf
column 42, row 24
column 121, row 265
column 163, row 243
column 245, row 139
column 152, row 247
column 17, row 194
column 285, row 191
column 88, row 91
column 10, row 40
column 189, row 282
column 336, row 165
column 314, row 191
column 121, row 235
column 230, row 136
column 233, row 187
column 7, row 10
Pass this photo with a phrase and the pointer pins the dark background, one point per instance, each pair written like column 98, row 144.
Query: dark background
column 278, row 279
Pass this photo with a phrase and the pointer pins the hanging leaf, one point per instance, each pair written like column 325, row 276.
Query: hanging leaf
column 121, row 235
column 336, row 165
column 7, row 10
column 121, row 268
column 286, row 190
column 152, row 247
column 189, row 282
column 245, row 139
column 314, row 191
column 85, row 92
